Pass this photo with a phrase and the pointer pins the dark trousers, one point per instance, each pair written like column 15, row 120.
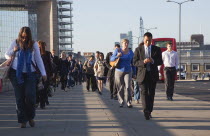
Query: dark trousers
column 91, row 80
column 25, row 95
column 76, row 78
column 169, row 74
column 63, row 81
column 112, row 87
column 147, row 92
column 41, row 95
column 54, row 80
column 80, row 76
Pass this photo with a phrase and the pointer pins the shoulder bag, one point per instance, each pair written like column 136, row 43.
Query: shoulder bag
column 115, row 63
column 5, row 66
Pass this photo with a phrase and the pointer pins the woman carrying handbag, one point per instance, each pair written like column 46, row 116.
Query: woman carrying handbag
column 123, row 73
column 23, row 76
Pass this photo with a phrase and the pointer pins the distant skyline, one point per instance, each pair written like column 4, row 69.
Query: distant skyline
column 98, row 23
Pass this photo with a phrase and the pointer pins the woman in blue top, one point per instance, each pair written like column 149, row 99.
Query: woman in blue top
column 123, row 74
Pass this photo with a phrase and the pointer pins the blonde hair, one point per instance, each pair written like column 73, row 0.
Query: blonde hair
column 125, row 40
column 63, row 52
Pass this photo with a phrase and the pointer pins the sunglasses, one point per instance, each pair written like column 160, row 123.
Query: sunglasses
column 24, row 37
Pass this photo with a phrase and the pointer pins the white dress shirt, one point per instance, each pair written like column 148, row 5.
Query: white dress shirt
column 170, row 59
column 146, row 51
column 36, row 58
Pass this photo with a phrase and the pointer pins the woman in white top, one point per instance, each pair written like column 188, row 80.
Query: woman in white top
column 23, row 74
column 99, row 69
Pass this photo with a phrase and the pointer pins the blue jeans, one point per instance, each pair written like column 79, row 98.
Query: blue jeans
column 136, row 90
column 25, row 96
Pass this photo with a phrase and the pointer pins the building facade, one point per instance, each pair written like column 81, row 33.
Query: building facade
column 128, row 36
column 195, row 62
column 49, row 20
column 195, row 57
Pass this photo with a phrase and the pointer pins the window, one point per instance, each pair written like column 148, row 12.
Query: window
column 184, row 66
column 161, row 44
column 207, row 66
column 195, row 67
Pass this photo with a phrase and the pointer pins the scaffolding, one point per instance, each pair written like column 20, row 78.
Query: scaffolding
column 65, row 25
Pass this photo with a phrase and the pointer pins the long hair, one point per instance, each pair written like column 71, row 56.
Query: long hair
column 42, row 47
column 101, row 54
column 28, row 44
column 62, row 53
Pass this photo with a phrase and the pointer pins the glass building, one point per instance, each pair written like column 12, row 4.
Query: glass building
column 12, row 18
column 49, row 20
column 65, row 25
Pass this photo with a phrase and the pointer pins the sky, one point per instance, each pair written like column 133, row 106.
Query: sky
column 98, row 23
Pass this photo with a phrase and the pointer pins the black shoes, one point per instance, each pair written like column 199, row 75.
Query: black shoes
column 47, row 103
column 99, row 92
column 23, row 125
column 115, row 98
column 32, row 123
column 150, row 116
column 129, row 106
column 169, row 98
column 36, row 105
column 147, row 115
column 121, row 105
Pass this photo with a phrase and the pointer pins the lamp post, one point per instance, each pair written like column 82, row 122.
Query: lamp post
column 147, row 29
column 180, row 7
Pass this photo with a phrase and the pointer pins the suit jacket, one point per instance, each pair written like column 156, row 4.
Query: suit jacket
column 110, row 71
column 55, row 60
column 80, row 67
column 138, row 60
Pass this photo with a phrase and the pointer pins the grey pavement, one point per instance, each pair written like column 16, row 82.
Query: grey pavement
column 81, row 113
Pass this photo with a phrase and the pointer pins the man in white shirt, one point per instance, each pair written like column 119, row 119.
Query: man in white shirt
column 170, row 61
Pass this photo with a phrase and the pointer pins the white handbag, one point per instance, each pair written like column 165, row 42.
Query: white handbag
column 4, row 68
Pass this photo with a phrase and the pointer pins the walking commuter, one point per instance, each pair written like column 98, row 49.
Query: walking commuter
column 100, row 71
column 90, row 78
column 55, row 60
column 71, row 63
column 80, row 74
column 96, row 59
column 71, row 67
column 97, row 55
column 42, row 96
column 171, row 62
column 63, row 70
column 75, row 73
column 23, row 76
column 146, row 58
column 136, row 86
column 110, row 75
column 123, row 74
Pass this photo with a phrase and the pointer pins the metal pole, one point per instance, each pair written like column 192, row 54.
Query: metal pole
column 180, row 40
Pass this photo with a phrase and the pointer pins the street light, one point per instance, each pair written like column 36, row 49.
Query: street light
column 149, row 28
column 180, row 6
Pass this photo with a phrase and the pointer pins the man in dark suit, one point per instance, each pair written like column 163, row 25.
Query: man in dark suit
column 55, row 60
column 80, row 75
column 54, row 57
column 146, row 58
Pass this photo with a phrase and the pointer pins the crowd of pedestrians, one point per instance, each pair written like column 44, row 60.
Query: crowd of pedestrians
column 136, row 74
